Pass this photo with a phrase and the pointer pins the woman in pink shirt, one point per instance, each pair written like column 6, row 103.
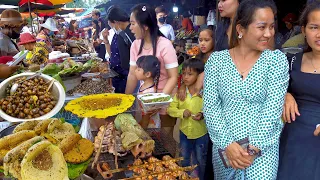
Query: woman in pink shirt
column 150, row 41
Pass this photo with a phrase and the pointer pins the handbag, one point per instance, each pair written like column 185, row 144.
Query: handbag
column 243, row 143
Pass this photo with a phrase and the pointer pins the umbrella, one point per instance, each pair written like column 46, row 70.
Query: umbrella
column 40, row 2
column 10, row 2
column 50, row 14
column 57, row 2
column 27, row 15
column 16, row 2
column 4, row 7
column 31, row 5
column 60, row 11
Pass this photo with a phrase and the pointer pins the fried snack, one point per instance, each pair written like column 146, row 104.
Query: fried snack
column 12, row 140
column 81, row 152
column 166, row 158
column 68, row 143
column 13, row 158
column 183, row 175
column 137, row 162
column 61, row 132
column 3, row 152
column 168, row 177
column 28, row 125
column 42, row 126
column 44, row 161
column 49, row 138
column 54, row 123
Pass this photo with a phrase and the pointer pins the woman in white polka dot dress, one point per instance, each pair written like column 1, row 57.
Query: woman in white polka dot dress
column 244, row 92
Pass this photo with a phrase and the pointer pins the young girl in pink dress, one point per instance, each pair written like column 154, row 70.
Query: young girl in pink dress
column 148, row 72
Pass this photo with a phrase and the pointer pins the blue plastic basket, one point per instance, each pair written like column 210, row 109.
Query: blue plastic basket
column 68, row 116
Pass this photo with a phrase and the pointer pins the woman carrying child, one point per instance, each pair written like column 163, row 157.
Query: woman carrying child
column 148, row 73
column 193, row 132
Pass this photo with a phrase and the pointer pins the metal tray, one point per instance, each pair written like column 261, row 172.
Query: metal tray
column 7, row 131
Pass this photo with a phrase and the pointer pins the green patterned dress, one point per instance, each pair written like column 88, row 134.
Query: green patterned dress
column 235, row 109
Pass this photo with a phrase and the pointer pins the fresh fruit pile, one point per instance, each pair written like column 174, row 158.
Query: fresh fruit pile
column 195, row 50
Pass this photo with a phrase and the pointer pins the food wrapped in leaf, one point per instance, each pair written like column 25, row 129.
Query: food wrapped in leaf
column 133, row 136
column 123, row 120
column 100, row 105
column 129, row 140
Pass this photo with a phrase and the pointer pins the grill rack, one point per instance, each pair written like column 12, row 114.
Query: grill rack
column 164, row 145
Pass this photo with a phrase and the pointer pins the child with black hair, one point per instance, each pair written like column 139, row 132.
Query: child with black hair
column 148, row 72
column 193, row 132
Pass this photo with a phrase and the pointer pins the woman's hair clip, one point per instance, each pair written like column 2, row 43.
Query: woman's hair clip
column 144, row 8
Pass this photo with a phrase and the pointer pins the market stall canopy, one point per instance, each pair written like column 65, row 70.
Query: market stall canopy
column 4, row 7
column 50, row 14
column 16, row 2
column 27, row 14
column 41, row 2
column 60, row 10
column 10, row 2
column 35, row 4
column 56, row 2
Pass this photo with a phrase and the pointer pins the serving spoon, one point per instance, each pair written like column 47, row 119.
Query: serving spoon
column 15, row 86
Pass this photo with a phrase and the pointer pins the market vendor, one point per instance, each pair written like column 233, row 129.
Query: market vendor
column 121, row 42
column 47, row 29
column 73, row 31
column 11, row 24
column 27, row 40
column 186, row 21
column 43, row 46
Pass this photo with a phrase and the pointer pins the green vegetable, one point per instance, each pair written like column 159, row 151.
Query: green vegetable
column 58, row 78
column 62, row 120
column 51, row 69
column 72, row 62
column 159, row 99
column 70, row 71
column 76, row 128
column 88, row 64
column 76, row 170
